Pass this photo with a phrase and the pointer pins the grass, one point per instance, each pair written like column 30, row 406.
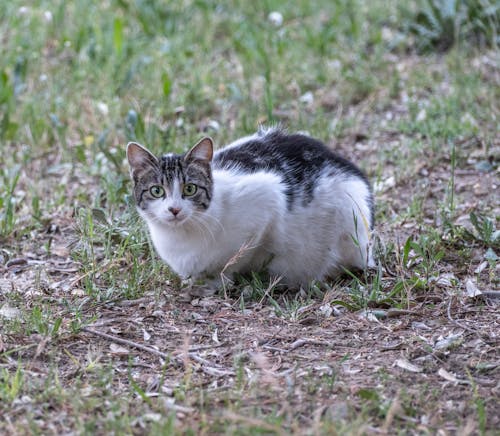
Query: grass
column 80, row 79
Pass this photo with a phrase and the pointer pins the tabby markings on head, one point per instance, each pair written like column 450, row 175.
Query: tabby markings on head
column 170, row 188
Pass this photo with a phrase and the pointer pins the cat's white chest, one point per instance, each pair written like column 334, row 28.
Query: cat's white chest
column 182, row 251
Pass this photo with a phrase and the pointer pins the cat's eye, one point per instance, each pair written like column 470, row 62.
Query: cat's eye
column 157, row 191
column 189, row 189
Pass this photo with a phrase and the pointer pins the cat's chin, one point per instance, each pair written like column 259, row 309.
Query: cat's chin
column 168, row 222
column 176, row 222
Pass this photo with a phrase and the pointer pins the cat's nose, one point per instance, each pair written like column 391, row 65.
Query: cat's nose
column 174, row 210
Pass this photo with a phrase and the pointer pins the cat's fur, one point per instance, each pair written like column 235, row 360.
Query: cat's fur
column 272, row 200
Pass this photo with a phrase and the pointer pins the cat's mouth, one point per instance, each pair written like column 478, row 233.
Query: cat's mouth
column 176, row 220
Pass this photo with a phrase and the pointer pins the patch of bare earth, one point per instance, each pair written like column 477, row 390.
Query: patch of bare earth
column 429, row 365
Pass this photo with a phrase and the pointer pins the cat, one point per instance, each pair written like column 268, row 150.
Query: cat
column 273, row 200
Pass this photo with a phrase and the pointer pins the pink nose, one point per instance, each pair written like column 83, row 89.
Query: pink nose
column 174, row 210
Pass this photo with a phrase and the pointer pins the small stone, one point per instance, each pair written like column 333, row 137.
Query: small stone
column 421, row 116
column 307, row 98
column 275, row 18
column 9, row 312
column 102, row 108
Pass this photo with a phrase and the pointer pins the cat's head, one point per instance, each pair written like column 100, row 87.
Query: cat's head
column 172, row 189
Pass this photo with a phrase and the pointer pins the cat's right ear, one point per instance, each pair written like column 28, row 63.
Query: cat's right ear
column 139, row 157
column 202, row 151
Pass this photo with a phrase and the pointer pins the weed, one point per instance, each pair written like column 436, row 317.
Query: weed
column 372, row 291
column 427, row 253
column 479, row 404
column 485, row 230
column 40, row 321
column 9, row 179
column 11, row 384
column 439, row 24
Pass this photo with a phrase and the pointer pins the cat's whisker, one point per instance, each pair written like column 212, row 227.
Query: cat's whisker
column 215, row 219
column 206, row 217
column 155, row 219
column 199, row 220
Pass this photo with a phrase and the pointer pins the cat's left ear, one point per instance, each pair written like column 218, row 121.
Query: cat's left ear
column 140, row 157
column 203, row 151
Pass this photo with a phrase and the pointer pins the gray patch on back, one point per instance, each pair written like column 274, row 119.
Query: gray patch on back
column 300, row 160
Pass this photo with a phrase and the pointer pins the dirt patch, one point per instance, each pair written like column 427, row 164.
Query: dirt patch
column 432, row 365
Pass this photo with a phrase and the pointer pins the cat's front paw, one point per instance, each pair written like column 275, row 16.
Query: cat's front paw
column 200, row 291
column 200, row 288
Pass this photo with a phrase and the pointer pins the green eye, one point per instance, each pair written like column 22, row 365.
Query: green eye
column 189, row 189
column 157, row 191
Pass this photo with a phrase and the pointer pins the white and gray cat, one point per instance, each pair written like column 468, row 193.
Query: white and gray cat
column 275, row 201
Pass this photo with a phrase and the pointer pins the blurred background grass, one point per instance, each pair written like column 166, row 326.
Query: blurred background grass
column 79, row 79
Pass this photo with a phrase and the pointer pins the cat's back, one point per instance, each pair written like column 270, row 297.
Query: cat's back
column 275, row 150
column 301, row 162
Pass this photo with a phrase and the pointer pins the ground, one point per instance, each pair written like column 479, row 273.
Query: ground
column 97, row 335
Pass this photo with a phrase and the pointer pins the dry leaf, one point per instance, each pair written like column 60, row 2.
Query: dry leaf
column 447, row 375
column 152, row 417
column 451, row 341
column 405, row 364
column 447, row 280
column 118, row 350
column 78, row 292
column 215, row 338
column 480, row 268
column 452, row 377
column 61, row 251
column 10, row 312
column 472, row 290
column 373, row 315
column 6, row 286
column 326, row 310
column 384, row 185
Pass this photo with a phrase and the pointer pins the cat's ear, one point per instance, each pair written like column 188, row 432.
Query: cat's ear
column 140, row 157
column 203, row 151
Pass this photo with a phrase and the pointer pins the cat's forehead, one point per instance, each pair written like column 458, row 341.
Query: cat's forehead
column 172, row 167
column 177, row 165
column 170, row 161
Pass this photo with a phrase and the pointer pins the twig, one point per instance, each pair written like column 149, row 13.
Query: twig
column 209, row 366
column 454, row 321
column 271, row 348
column 127, row 342
column 6, row 353
column 247, row 245
column 492, row 294
column 272, row 284
column 394, row 312
column 394, row 411
column 206, row 366
column 304, row 341
column 206, row 347
column 199, row 359
column 102, row 269
column 170, row 405
column 216, row 372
